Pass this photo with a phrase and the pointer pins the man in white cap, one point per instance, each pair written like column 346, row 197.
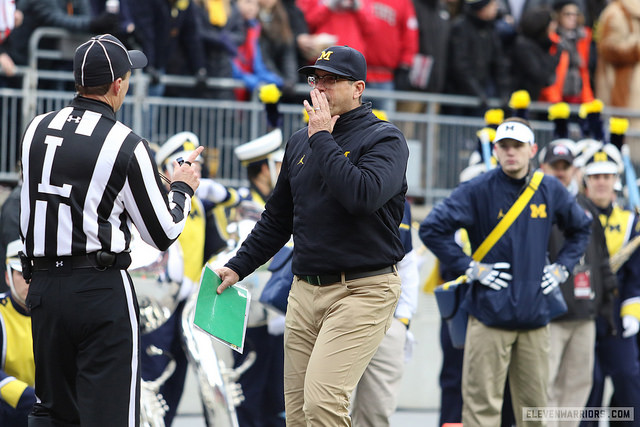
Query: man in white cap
column 617, row 346
column 262, row 157
column 511, row 290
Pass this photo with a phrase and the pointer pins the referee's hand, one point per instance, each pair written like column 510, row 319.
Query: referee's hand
column 228, row 276
column 185, row 172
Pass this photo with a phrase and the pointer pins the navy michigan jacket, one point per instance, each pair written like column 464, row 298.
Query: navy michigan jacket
column 477, row 206
column 342, row 196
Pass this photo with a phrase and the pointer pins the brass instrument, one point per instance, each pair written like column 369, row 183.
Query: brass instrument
column 212, row 361
column 157, row 295
column 219, row 390
column 617, row 260
column 152, row 405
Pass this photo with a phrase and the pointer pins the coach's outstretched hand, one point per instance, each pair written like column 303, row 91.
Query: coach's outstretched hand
column 228, row 276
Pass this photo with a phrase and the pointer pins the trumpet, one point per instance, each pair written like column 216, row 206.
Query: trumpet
column 617, row 260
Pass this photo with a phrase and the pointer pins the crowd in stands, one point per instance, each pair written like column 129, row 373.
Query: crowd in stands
column 483, row 48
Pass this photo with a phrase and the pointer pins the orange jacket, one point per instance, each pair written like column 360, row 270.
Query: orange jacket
column 553, row 93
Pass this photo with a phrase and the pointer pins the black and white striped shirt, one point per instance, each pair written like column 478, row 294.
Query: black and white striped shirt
column 86, row 178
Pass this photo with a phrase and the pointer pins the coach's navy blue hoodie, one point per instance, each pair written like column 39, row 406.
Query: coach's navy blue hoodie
column 341, row 194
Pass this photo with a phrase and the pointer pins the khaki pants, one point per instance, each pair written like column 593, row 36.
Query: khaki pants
column 491, row 353
column 331, row 334
column 375, row 399
column 570, row 365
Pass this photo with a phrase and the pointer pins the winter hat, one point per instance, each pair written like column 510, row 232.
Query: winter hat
column 534, row 22
column 559, row 4
column 476, row 5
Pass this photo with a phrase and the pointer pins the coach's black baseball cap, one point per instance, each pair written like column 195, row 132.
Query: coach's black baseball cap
column 343, row 61
column 103, row 59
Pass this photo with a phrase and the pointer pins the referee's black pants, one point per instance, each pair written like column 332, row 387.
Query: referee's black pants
column 86, row 348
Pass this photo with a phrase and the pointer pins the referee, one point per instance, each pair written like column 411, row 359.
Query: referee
column 87, row 178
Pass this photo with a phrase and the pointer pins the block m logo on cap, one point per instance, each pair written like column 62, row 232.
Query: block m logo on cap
column 600, row 156
column 325, row 54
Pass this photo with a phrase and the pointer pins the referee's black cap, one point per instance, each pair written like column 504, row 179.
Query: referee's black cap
column 102, row 59
column 342, row 61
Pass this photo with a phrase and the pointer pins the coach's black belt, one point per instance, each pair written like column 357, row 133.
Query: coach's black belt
column 327, row 279
column 99, row 260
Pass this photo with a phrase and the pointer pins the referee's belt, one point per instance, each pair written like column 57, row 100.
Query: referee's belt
column 328, row 279
column 99, row 260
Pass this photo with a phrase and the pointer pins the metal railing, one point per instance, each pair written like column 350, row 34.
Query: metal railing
column 440, row 144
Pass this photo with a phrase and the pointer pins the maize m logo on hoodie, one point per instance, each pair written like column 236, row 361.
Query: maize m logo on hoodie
column 538, row 211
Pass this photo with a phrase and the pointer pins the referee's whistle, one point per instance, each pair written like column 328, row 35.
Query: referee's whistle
column 180, row 160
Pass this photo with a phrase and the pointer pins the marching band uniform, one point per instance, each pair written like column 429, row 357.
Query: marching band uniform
column 617, row 354
column 17, row 368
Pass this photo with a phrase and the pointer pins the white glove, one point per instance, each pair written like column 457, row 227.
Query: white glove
column 275, row 326
column 552, row 276
column 212, row 191
column 494, row 276
column 631, row 326
column 409, row 345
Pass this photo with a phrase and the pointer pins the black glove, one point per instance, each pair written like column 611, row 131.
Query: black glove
column 154, row 75
column 104, row 23
column 401, row 79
